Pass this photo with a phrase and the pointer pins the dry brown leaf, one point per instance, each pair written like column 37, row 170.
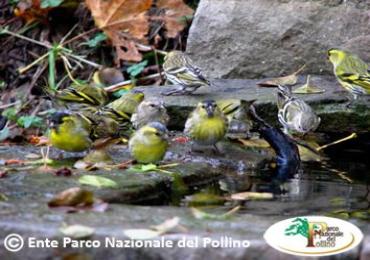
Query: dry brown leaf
column 176, row 12
column 72, row 197
column 286, row 80
column 124, row 22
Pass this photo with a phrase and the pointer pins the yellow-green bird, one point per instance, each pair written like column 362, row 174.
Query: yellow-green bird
column 180, row 69
column 294, row 114
column 152, row 110
column 122, row 108
column 237, row 114
column 75, row 132
column 70, row 132
column 149, row 144
column 206, row 125
column 89, row 94
column 352, row 73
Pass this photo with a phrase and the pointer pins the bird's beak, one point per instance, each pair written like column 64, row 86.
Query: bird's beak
column 210, row 111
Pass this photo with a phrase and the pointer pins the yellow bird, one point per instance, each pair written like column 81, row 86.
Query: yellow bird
column 149, row 143
column 206, row 125
column 352, row 73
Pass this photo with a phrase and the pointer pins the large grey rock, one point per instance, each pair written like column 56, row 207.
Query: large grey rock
column 252, row 39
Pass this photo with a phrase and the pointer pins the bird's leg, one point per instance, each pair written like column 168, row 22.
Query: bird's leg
column 216, row 150
column 350, row 101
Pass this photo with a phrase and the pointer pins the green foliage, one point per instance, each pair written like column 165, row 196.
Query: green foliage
column 96, row 40
column 29, row 121
column 10, row 113
column 120, row 93
column 136, row 69
column 143, row 168
column 300, row 227
column 50, row 3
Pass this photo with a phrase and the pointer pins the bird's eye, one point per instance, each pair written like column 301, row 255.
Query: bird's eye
column 157, row 134
column 203, row 106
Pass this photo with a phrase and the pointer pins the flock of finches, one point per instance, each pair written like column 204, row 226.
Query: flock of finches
column 91, row 119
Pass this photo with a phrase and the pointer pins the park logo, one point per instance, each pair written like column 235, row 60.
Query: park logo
column 313, row 236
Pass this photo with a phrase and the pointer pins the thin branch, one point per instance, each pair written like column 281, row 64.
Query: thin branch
column 119, row 85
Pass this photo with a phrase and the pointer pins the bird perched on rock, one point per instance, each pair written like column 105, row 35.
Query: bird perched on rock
column 122, row 108
column 82, row 94
column 206, row 125
column 149, row 143
column 294, row 114
column 352, row 73
column 237, row 114
column 75, row 132
column 70, row 132
column 180, row 69
column 150, row 111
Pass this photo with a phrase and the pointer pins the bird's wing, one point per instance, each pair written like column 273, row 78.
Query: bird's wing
column 360, row 80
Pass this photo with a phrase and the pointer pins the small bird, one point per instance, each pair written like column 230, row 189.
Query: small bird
column 351, row 72
column 70, row 132
column 237, row 114
column 122, row 108
column 180, row 69
column 150, row 111
column 107, row 76
column 89, row 94
column 149, row 143
column 206, row 125
column 295, row 114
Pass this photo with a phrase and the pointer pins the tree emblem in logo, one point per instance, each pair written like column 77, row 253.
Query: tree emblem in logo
column 301, row 226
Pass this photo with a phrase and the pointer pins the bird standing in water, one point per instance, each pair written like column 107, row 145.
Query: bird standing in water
column 206, row 125
column 294, row 114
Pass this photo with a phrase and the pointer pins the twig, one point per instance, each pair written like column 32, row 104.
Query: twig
column 9, row 104
column 117, row 86
column 353, row 135
column 24, row 69
column 81, row 35
column 67, row 65
column 6, row 31
column 91, row 63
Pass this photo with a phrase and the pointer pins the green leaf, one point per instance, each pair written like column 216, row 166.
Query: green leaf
column 10, row 113
column 97, row 181
column 29, row 121
column 50, row 3
column 4, row 134
column 96, row 40
column 136, row 69
column 143, row 168
column 119, row 93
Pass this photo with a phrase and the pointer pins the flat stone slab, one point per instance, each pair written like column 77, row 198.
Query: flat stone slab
column 26, row 212
column 330, row 105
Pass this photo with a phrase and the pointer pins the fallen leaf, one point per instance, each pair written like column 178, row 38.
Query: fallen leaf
column 77, row 231
column 308, row 88
column 66, row 172
column 256, row 143
column 124, row 22
column 167, row 225
column 97, row 181
column 176, row 12
column 141, row 234
column 286, row 80
column 72, row 197
column 199, row 214
column 33, row 156
column 252, row 196
column 38, row 140
column 14, row 161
